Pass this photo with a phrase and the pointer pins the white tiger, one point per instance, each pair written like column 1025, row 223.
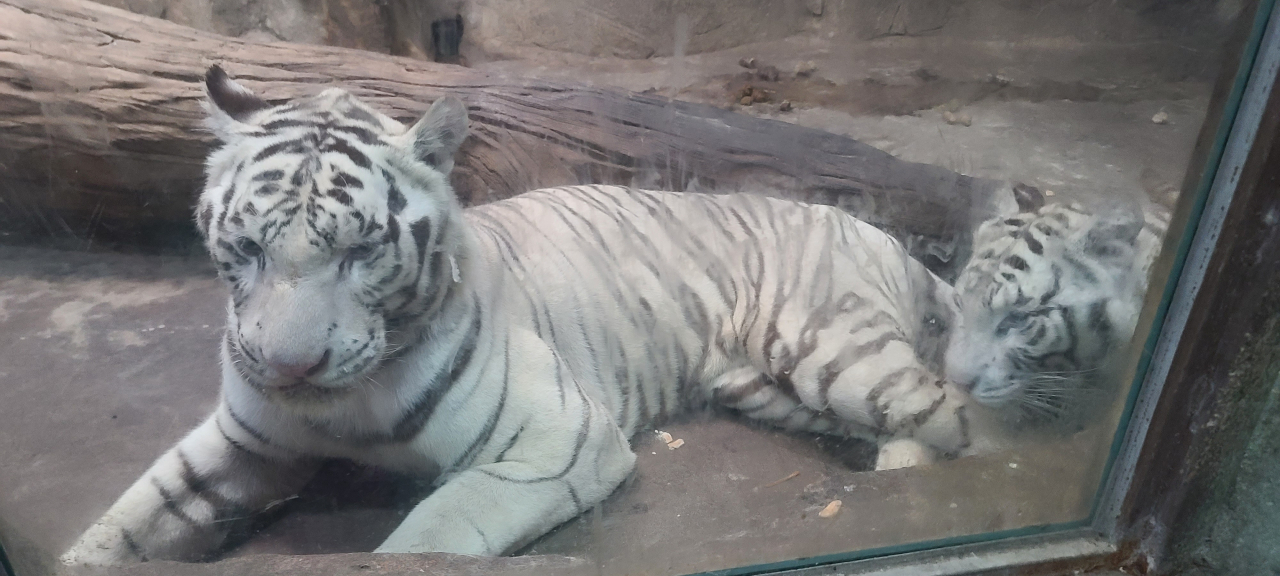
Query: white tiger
column 1048, row 303
column 518, row 345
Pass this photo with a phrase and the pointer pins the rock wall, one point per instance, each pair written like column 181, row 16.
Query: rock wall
column 632, row 29
column 636, row 29
column 348, row 23
column 1013, row 20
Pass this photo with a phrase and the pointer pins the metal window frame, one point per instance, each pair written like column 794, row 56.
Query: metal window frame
column 5, row 568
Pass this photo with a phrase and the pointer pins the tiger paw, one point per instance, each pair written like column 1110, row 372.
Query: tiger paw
column 903, row 453
column 101, row 545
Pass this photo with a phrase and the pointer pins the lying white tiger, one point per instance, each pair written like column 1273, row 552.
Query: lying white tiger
column 1048, row 303
column 515, row 346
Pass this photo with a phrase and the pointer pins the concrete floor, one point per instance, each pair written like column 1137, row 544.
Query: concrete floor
column 108, row 359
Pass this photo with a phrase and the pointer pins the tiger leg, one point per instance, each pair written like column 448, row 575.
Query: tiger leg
column 956, row 428
column 759, row 396
column 881, row 385
column 564, row 459
column 192, row 497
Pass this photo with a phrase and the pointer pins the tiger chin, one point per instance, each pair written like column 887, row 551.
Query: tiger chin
column 517, row 346
column 1047, row 306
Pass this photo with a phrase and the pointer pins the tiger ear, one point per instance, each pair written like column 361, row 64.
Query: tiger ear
column 1029, row 198
column 1114, row 236
column 437, row 136
column 1013, row 199
column 228, row 103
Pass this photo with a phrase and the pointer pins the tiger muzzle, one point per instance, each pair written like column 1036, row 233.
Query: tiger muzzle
column 293, row 325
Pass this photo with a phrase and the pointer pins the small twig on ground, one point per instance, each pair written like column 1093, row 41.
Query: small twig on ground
column 781, row 480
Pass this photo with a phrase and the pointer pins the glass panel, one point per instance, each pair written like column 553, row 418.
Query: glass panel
column 706, row 369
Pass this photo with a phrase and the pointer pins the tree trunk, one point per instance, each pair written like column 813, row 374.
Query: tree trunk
column 101, row 135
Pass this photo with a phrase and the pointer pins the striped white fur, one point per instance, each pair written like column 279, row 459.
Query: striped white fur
column 518, row 345
column 1048, row 302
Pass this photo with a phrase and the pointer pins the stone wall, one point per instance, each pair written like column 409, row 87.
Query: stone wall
column 634, row 29
column 349, row 23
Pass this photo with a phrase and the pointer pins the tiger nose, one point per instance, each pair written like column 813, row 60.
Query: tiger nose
column 295, row 368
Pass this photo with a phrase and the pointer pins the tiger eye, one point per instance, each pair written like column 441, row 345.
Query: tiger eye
column 248, row 247
column 361, row 252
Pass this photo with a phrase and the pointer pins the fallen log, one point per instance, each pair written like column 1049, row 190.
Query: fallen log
column 101, row 134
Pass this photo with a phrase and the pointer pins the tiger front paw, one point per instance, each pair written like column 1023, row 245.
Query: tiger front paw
column 903, row 453
column 101, row 545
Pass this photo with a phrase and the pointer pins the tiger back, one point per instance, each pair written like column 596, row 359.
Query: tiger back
column 672, row 300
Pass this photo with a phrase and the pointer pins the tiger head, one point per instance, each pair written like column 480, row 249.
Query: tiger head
column 1049, row 296
column 335, row 228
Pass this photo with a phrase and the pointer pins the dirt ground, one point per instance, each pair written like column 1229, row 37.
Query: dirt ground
column 1075, row 118
column 109, row 359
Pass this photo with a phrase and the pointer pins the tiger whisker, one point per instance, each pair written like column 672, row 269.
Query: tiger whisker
column 375, row 383
column 1068, row 372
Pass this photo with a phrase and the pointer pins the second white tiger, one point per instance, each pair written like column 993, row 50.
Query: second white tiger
column 518, row 345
